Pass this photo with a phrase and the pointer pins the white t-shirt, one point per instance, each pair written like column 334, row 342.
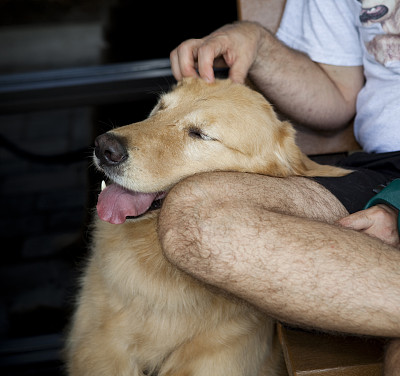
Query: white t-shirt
column 341, row 32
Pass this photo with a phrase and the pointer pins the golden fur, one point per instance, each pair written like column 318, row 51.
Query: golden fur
column 137, row 314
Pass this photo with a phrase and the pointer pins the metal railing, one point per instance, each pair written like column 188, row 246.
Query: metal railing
column 91, row 85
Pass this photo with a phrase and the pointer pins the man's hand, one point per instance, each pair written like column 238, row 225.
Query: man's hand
column 379, row 221
column 235, row 46
column 316, row 95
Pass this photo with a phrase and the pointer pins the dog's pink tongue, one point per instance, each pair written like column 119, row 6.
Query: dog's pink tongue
column 116, row 203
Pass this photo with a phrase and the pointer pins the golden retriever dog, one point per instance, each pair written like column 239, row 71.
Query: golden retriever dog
column 136, row 313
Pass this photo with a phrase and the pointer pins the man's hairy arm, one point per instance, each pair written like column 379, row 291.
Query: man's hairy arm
column 319, row 96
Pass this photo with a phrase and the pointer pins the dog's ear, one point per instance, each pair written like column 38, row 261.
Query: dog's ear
column 290, row 159
column 315, row 169
column 294, row 162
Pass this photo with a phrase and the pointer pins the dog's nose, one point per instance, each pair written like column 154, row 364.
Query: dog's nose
column 109, row 149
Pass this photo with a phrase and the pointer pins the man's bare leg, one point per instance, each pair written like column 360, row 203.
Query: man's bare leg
column 272, row 242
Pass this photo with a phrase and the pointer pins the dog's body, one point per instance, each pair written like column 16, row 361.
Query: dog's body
column 137, row 314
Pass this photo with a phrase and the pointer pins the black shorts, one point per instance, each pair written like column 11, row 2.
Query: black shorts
column 370, row 171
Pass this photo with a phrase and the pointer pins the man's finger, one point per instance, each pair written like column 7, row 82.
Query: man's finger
column 238, row 71
column 207, row 55
column 183, row 59
column 173, row 57
column 357, row 221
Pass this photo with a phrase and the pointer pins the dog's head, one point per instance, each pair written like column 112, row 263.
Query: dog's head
column 197, row 127
column 377, row 10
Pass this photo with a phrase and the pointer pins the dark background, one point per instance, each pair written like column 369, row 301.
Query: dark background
column 46, row 206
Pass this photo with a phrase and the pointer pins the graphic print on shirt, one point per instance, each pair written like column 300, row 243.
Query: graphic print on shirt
column 384, row 47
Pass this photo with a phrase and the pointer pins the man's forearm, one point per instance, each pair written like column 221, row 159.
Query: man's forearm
column 316, row 95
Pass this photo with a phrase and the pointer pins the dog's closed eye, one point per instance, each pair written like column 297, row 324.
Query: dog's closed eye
column 199, row 134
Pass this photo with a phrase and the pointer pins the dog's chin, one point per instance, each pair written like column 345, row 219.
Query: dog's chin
column 116, row 203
